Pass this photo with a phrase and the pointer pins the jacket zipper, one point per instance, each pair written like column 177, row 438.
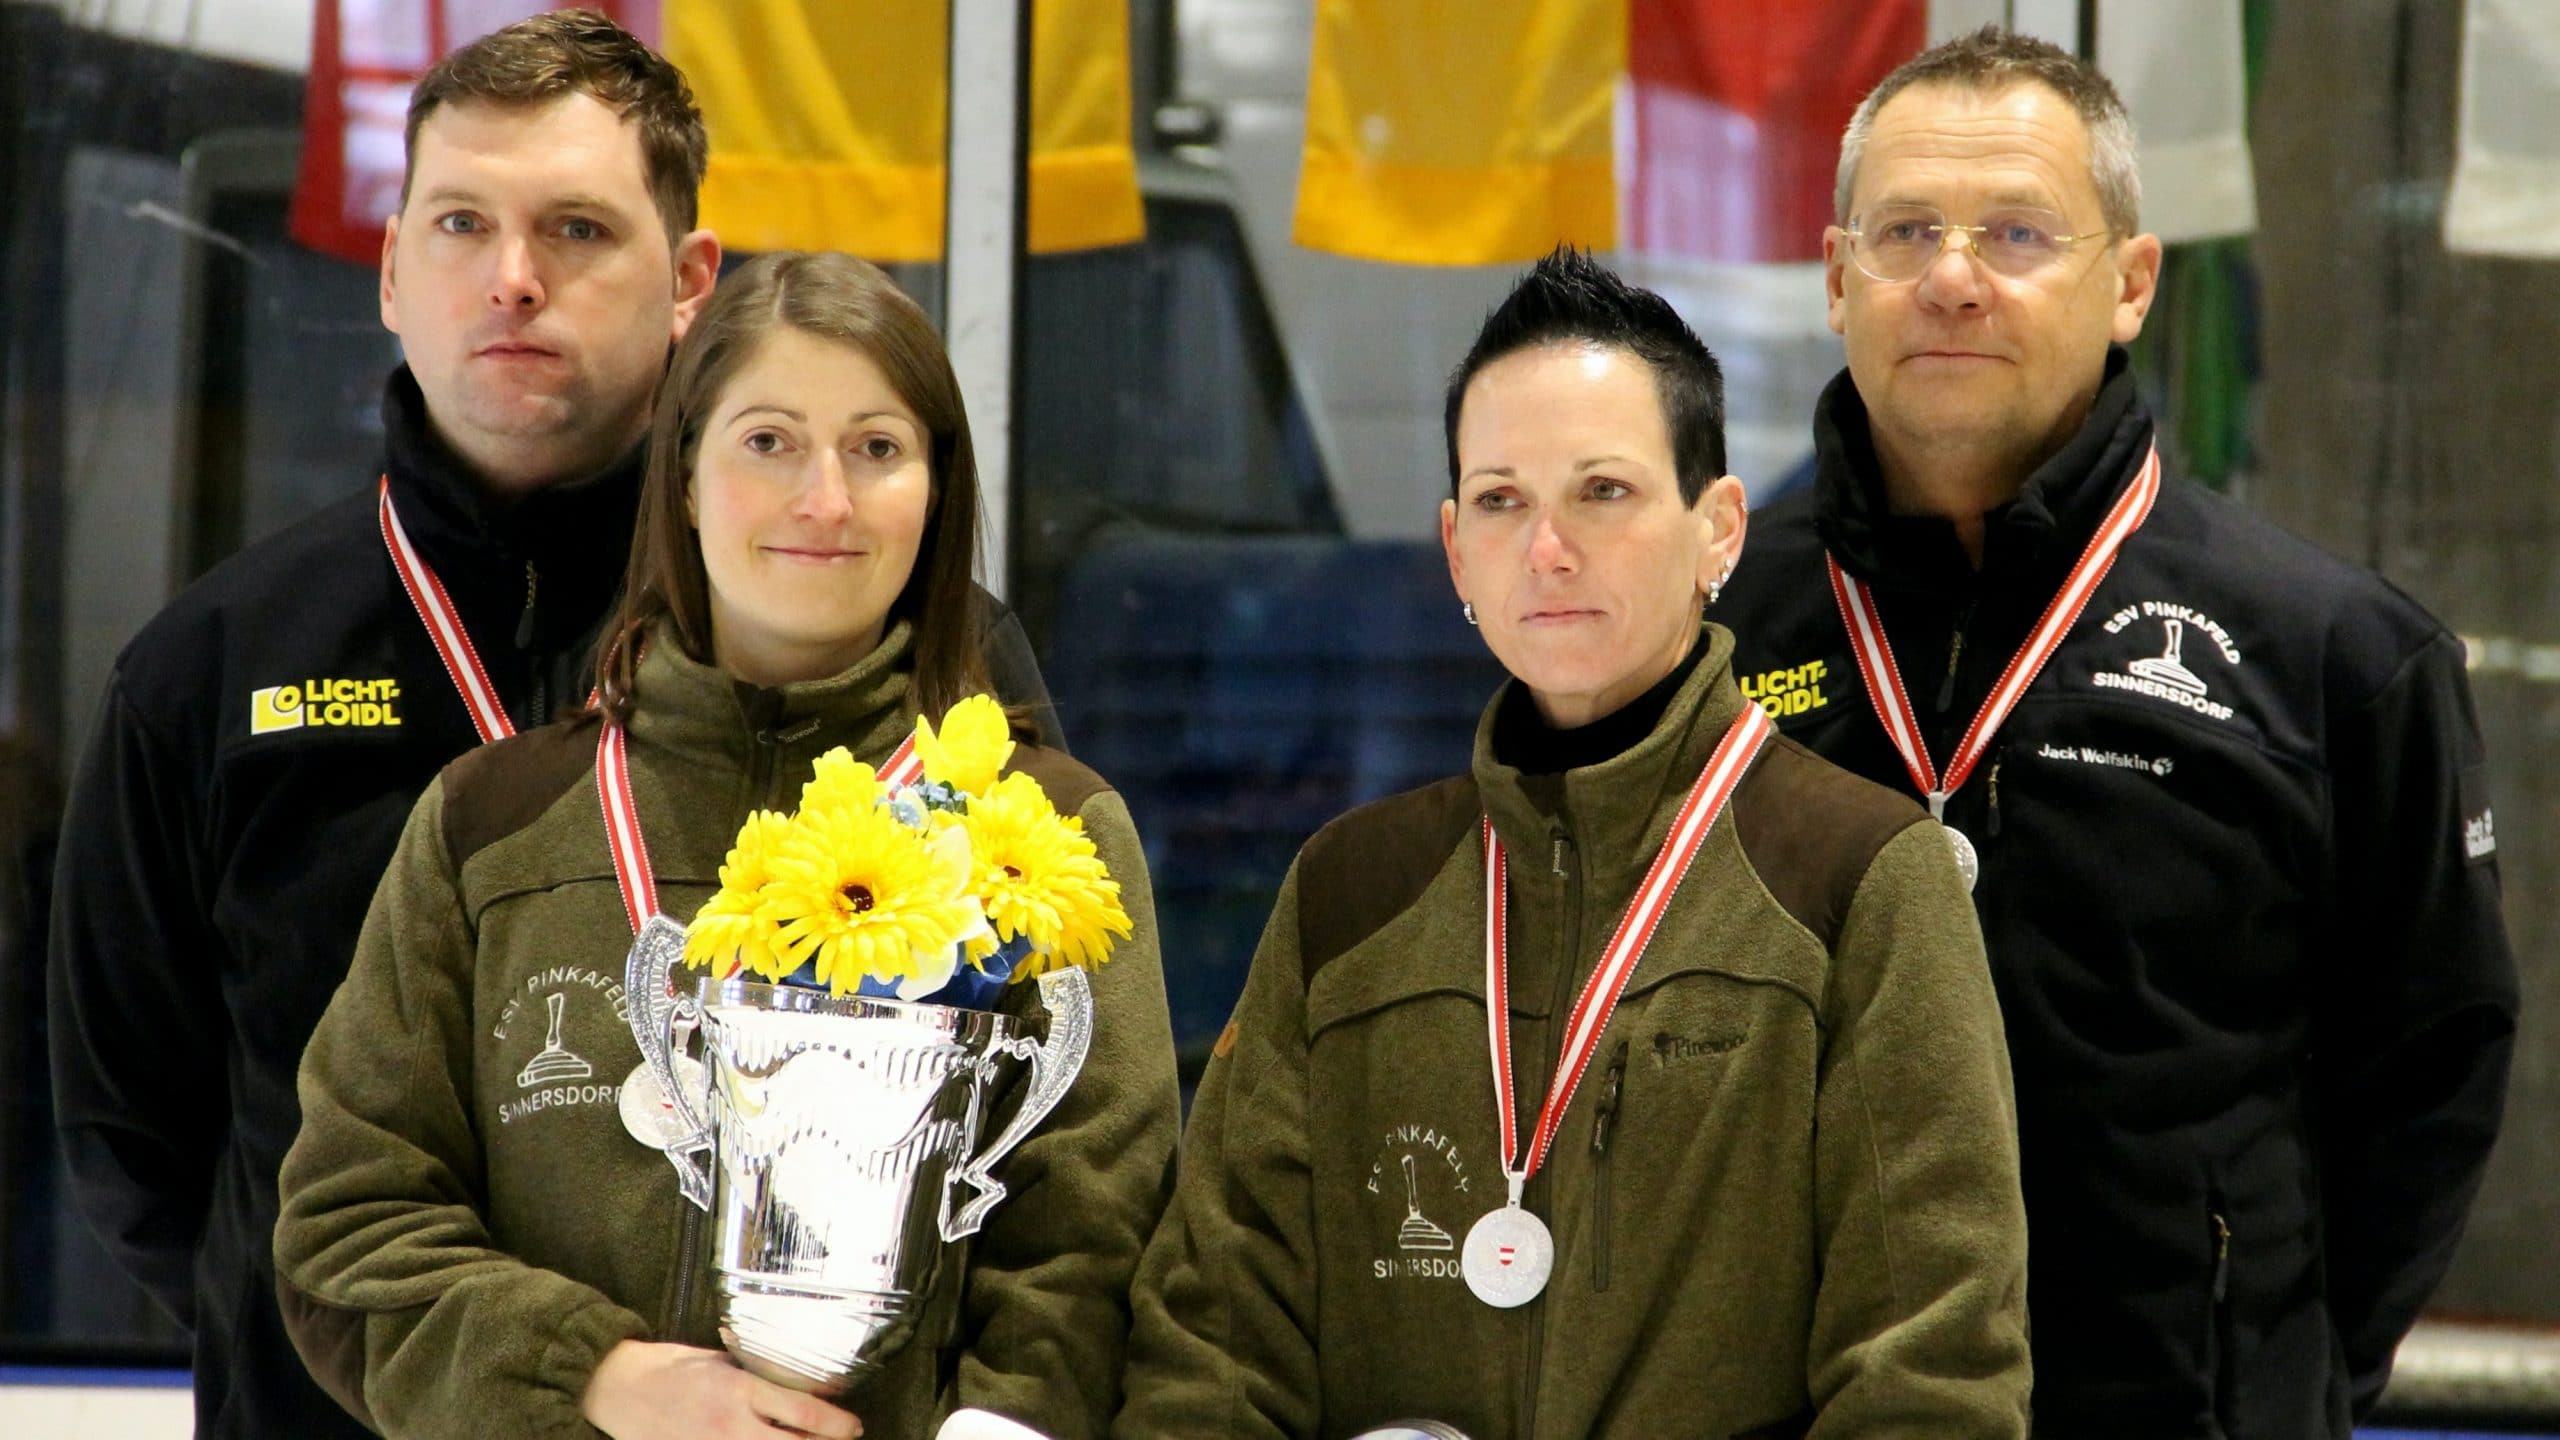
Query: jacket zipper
column 761, row 769
column 541, row 707
column 524, row 622
column 1955, row 656
column 1600, row 1127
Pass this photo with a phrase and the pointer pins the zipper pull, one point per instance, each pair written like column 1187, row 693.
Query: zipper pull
column 524, row 622
column 1947, row 687
column 1559, row 855
column 1609, row 1101
column 1991, row 822
column 2221, row 1259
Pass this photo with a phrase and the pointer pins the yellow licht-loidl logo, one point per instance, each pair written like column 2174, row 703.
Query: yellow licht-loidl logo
column 324, row 703
column 1790, row 689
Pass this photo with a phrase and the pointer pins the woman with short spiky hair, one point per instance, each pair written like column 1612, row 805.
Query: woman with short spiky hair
column 1645, row 1080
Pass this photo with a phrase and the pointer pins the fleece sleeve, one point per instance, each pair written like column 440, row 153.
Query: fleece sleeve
column 394, row 1292
column 1920, row 1323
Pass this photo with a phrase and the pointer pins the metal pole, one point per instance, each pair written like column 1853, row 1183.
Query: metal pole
column 984, row 214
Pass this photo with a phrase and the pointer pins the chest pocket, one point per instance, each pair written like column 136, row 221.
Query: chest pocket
column 2173, row 855
column 1396, row 1039
column 1704, row 1072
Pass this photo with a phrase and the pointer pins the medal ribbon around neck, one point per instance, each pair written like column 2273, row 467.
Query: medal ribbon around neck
column 1715, row 785
column 630, row 848
column 1884, row 679
column 444, row 627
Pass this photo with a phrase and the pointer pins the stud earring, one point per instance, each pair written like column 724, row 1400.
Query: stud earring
column 1715, row 591
column 1468, row 609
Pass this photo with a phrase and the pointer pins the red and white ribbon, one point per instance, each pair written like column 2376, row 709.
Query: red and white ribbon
column 1884, row 678
column 1599, row 999
column 622, row 827
column 630, row 847
column 444, row 627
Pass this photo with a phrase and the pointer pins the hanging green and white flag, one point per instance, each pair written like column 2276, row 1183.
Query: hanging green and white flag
column 2181, row 67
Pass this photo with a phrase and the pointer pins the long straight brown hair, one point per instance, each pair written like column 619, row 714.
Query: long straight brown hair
column 832, row 297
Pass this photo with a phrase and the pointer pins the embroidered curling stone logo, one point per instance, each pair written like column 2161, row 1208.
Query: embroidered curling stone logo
column 556, row 1072
column 2188, row 638
column 1418, row 1175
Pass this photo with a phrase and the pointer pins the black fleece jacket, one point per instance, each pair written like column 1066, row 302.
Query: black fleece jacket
column 2240, row 892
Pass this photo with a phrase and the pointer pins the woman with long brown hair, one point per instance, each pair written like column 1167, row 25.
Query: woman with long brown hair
column 468, row 1209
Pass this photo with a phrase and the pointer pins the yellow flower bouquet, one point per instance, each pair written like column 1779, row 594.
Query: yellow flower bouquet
column 941, row 891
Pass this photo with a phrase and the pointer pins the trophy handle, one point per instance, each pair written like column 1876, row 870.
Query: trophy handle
column 1054, row 1063
column 654, row 1006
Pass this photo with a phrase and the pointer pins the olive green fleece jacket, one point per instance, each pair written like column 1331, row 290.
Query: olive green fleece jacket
column 1784, row 1196
column 466, row 1226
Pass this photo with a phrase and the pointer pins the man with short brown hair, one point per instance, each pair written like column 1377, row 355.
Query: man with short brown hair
column 263, row 738
column 2225, row 793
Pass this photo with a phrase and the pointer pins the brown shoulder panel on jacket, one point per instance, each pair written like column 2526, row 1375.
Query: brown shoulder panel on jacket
column 494, row 791
column 1365, row 868
column 1811, row 829
column 330, row 1340
column 1063, row 778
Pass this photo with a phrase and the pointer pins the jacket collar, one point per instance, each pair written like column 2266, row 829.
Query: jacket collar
column 576, row 535
column 1618, row 811
column 2039, row 534
column 702, row 712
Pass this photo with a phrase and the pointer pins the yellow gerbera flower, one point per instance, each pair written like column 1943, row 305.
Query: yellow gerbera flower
column 840, row 782
column 728, row 932
column 975, row 741
column 860, row 894
column 1038, row 875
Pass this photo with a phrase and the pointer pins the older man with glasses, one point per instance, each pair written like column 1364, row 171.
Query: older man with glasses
column 2223, row 795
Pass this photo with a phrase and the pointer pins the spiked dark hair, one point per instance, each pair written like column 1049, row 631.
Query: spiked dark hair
column 1568, row 298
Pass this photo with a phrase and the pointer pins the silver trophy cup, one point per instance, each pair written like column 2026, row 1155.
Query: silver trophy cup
column 836, row 1140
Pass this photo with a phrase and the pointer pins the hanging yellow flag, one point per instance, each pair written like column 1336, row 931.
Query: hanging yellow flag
column 1461, row 132
column 827, row 123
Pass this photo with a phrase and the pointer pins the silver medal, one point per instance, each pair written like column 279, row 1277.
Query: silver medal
column 1508, row 1257
column 647, row 1112
column 1968, row 864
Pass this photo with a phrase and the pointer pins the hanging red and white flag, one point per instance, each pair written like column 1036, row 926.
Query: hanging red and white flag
column 1735, row 109
column 365, row 57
